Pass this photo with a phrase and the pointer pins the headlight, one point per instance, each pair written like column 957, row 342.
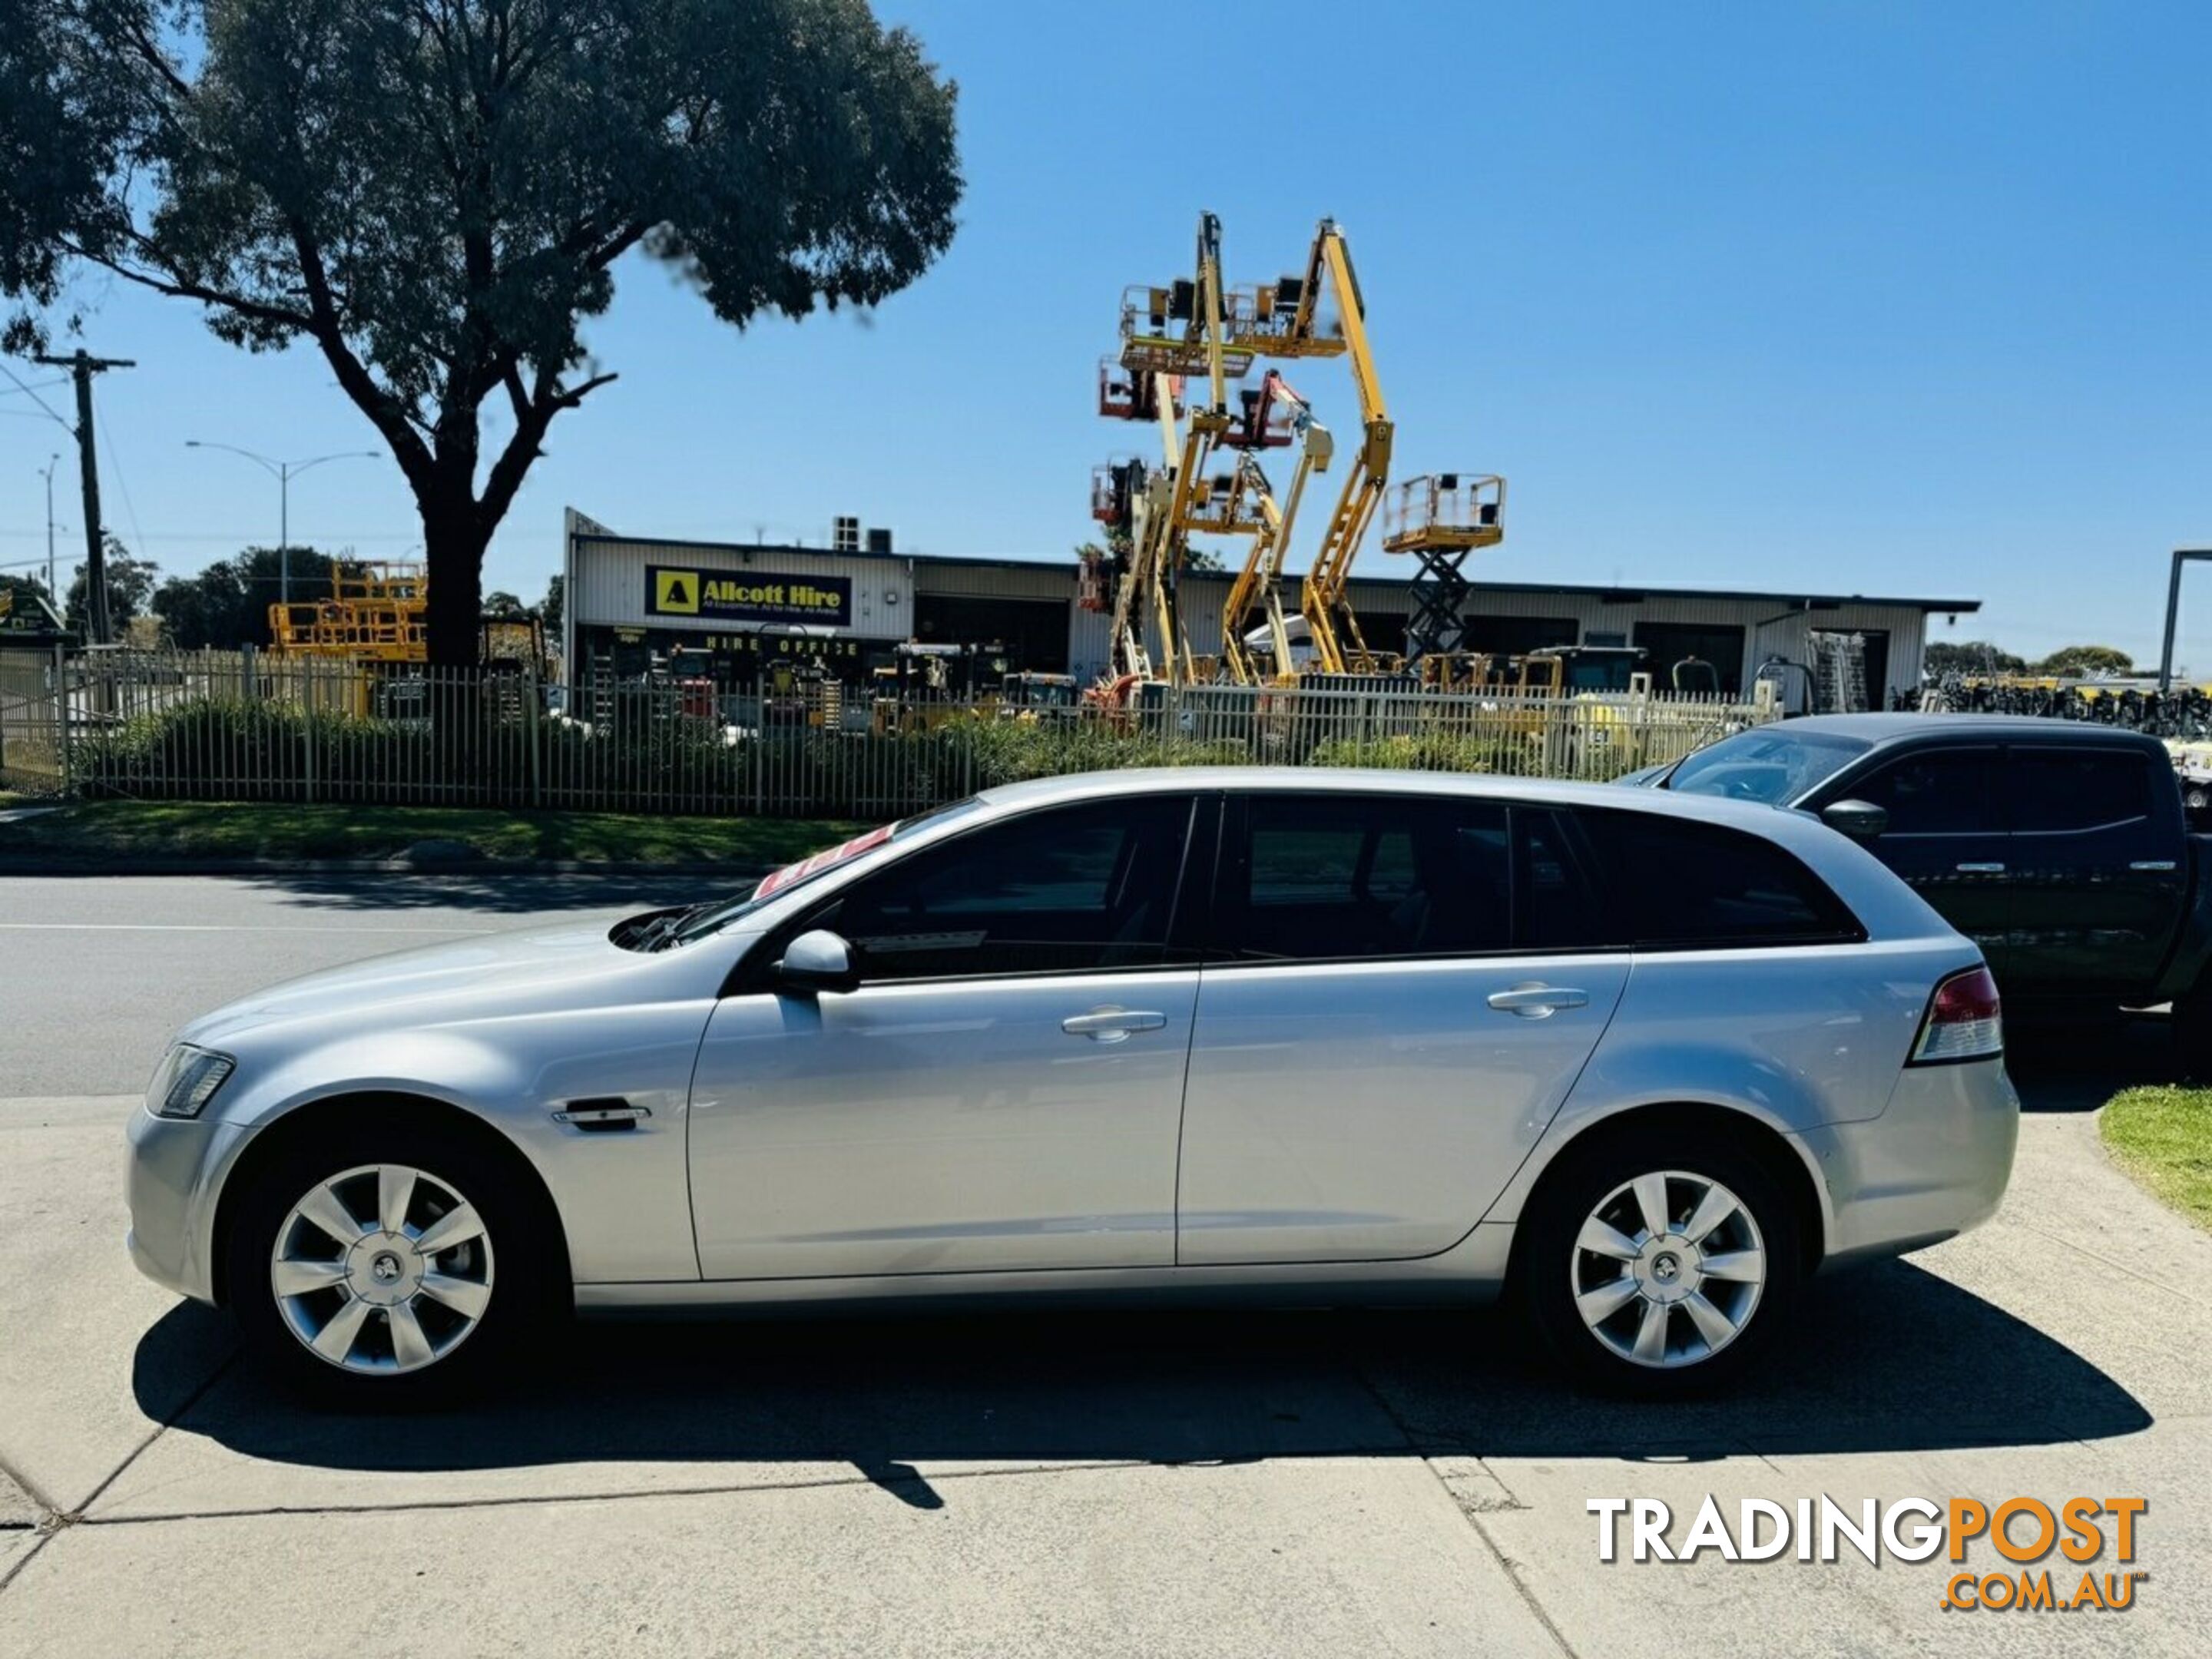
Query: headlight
column 186, row 1080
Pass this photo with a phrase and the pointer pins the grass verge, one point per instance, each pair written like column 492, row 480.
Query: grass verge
column 102, row 832
column 2162, row 1136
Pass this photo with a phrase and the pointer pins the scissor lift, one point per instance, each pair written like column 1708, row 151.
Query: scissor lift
column 1439, row 518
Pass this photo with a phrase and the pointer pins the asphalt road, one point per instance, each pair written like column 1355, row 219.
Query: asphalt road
column 1321, row 1484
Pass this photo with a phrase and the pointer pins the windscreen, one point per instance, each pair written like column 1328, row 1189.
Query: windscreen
column 1777, row 767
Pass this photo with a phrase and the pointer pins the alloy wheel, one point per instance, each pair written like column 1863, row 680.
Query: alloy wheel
column 1668, row 1269
column 382, row 1269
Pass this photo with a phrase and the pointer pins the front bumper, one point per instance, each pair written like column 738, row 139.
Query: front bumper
column 172, row 1176
column 1933, row 1164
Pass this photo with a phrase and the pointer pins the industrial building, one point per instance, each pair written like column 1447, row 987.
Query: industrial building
column 632, row 601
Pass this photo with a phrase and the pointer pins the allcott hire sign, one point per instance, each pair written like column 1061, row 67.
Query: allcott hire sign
column 747, row 596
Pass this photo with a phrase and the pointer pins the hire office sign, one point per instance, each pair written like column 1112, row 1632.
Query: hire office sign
column 747, row 596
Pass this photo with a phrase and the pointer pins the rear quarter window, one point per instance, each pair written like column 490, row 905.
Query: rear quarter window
column 1675, row 882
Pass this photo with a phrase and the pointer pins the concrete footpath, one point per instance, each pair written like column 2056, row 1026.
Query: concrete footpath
column 1318, row 1484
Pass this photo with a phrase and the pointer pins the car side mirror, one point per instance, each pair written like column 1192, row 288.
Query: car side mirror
column 817, row 960
column 1862, row 820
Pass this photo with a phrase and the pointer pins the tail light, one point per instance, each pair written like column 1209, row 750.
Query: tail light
column 1965, row 1021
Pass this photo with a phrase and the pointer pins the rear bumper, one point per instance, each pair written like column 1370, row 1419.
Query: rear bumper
column 1935, row 1163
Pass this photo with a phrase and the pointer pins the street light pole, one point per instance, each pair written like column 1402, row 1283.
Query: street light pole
column 53, row 593
column 285, row 472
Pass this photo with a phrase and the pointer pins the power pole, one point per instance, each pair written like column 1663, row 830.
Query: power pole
column 83, row 367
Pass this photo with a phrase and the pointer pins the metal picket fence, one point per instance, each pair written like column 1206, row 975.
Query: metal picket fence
column 255, row 726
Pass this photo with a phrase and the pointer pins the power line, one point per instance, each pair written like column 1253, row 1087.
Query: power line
column 32, row 392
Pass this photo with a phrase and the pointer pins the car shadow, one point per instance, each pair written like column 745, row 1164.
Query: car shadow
column 2059, row 1066
column 1885, row 1357
column 499, row 893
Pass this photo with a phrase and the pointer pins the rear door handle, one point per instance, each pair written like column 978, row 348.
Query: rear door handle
column 1981, row 869
column 1538, row 1002
column 2152, row 866
column 1112, row 1025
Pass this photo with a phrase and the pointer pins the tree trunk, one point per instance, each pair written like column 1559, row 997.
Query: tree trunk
column 454, row 550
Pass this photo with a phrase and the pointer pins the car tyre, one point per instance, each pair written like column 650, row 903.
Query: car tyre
column 1659, row 1312
column 380, row 1322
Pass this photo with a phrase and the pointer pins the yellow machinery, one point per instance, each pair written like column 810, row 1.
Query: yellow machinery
column 1198, row 331
column 923, row 686
column 1155, row 512
column 377, row 612
column 1338, row 646
column 1258, row 583
column 1440, row 519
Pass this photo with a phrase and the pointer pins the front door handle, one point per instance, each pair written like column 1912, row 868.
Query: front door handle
column 1538, row 1002
column 2152, row 866
column 1112, row 1025
column 1981, row 869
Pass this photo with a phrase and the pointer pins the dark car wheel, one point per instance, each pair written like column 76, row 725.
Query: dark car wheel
column 390, row 1267
column 1659, row 1264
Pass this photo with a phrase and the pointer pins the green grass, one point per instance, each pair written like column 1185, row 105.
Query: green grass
column 2162, row 1136
column 97, row 832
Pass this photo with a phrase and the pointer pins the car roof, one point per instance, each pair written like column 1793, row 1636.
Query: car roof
column 1899, row 727
column 1345, row 779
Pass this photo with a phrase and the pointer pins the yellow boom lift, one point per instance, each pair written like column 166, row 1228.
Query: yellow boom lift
column 1258, row 583
column 1439, row 518
column 1158, row 510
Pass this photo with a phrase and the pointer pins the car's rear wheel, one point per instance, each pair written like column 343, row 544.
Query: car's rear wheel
column 1659, row 1264
column 398, row 1266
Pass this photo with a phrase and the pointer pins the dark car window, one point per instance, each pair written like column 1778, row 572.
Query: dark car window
column 1561, row 908
column 1675, row 883
column 1068, row 890
column 2073, row 789
column 1940, row 793
column 1332, row 877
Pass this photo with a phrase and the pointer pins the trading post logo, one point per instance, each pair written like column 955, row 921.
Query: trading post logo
column 2038, row 1546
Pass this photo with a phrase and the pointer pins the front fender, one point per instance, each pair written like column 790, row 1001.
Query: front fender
column 623, row 1197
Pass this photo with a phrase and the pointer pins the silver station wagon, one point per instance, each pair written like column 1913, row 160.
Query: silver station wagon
column 1641, row 1061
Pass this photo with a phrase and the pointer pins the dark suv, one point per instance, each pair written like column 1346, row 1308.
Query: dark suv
column 2060, row 850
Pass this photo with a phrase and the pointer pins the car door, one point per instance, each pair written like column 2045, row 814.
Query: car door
column 1001, row 1088
column 1382, row 1031
column 2097, row 878
column 1947, row 836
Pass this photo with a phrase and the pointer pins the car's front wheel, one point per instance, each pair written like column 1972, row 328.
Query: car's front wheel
column 1659, row 1264
column 393, row 1267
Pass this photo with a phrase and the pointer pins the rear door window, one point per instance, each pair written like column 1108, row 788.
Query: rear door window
column 1326, row 877
column 2070, row 790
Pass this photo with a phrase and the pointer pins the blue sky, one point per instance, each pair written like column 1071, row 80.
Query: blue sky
column 1863, row 298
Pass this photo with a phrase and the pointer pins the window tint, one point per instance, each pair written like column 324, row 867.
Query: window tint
column 1062, row 890
column 1561, row 909
column 1944, row 793
column 1673, row 882
column 2059, row 789
column 1338, row 875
